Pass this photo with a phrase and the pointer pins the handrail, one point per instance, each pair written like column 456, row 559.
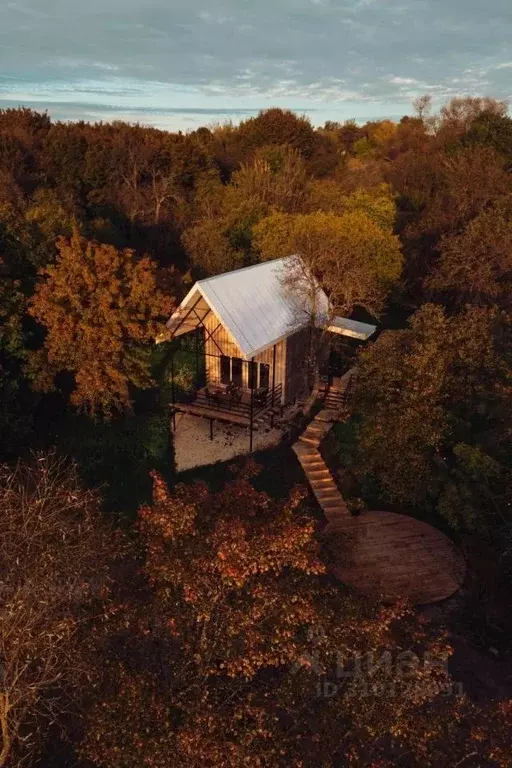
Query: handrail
column 223, row 403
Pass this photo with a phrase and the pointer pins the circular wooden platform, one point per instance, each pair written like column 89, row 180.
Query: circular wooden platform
column 395, row 556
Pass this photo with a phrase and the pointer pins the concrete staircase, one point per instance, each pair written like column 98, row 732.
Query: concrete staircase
column 307, row 450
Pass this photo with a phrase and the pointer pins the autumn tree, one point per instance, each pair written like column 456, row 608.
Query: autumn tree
column 22, row 135
column 422, row 106
column 239, row 629
column 439, row 195
column 329, row 196
column 209, row 248
column 457, row 116
column 63, row 160
column 494, row 130
column 228, row 650
column 278, row 126
column 99, row 307
column 56, row 556
column 475, row 265
column 356, row 261
column 222, row 237
column 276, row 177
column 418, row 394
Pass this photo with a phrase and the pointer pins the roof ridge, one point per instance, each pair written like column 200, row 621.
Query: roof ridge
column 243, row 269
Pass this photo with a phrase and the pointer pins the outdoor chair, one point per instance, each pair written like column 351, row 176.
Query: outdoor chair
column 235, row 394
column 260, row 396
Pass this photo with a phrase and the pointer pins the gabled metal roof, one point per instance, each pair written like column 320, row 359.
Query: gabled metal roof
column 259, row 305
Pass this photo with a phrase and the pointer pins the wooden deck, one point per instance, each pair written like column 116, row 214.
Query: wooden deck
column 207, row 412
column 381, row 554
column 391, row 556
column 219, row 406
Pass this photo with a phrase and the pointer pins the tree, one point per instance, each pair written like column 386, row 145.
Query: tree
column 240, row 631
column 63, row 161
column 240, row 628
column 356, row 261
column 494, row 130
column 56, row 556
column 208, row 247
column 457, row 116
column 422, row 106
column 278, row 126
column 477, row 495
column 22, row 135
column 99, row 306
column 329, row 196
column 222, row 238
column 421, row 388
column 476, row 265
column 276, row 177
column 470, row 181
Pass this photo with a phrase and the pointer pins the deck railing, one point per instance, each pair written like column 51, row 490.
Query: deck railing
column 225, row 402
column 241, row 402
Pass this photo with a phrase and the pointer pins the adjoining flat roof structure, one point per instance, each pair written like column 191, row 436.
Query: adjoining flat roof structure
column 352, row 328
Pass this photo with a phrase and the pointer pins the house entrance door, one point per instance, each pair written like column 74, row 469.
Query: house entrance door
column 236, row 371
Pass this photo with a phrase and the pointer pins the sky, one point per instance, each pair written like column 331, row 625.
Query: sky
column 179, row 64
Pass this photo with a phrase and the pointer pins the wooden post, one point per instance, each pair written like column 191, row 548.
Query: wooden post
column 330, row 374
column 273, row 374
column 211, row 429
column 273, row 384
column 251, row 426
column 173, row 398
column 197, row 358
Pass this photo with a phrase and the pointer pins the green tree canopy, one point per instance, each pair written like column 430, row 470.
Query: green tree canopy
column 357, row 262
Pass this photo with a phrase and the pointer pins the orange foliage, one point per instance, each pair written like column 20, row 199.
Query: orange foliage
column 99, row 306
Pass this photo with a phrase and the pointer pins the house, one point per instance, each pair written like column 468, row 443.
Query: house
column 252, row 331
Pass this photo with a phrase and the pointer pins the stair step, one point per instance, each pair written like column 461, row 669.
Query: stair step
column 326, row 494
column 321, row 482
column 302, row 449
column 335, row 513
column 333, row 504
column 329, row 501
column 312, row 463
column 327, row 416
column 310, row 440
column 329, row 492
column 315, row 431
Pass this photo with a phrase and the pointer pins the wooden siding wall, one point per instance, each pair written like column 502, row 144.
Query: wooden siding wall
column 267, row 357
column 224, row 344
column 296, row 360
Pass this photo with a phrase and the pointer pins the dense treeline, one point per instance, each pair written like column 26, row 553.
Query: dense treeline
column 215, row 637
column 391, row 215
column 102, row 228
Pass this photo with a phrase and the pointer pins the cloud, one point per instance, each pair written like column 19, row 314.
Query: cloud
column 189, row 53
column 404, row 81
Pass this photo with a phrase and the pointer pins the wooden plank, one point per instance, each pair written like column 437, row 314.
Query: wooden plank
column 211, row 413
column 393, row 556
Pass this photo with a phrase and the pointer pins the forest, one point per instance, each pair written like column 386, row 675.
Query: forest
column 147, row 621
